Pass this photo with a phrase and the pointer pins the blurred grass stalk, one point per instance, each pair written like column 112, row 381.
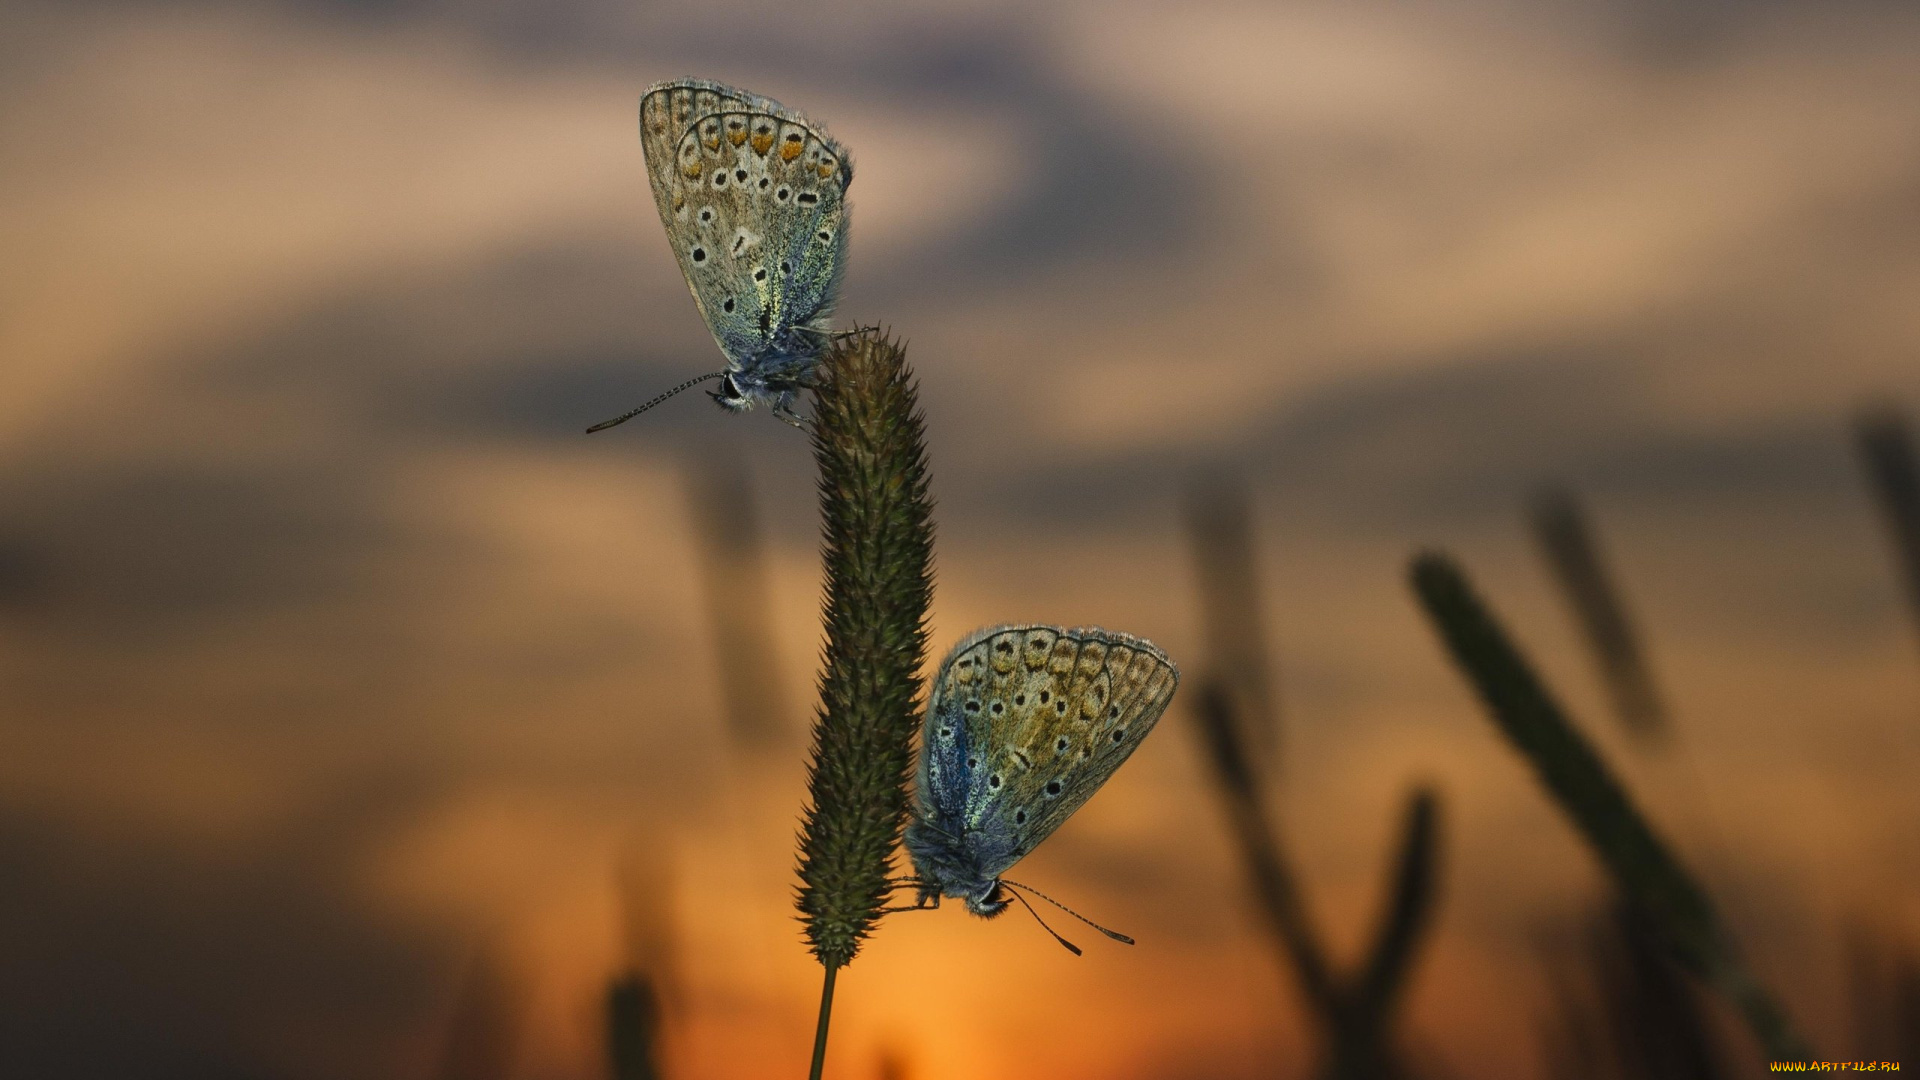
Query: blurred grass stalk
column 1645, row 872
column 1235, row 710
column 1355, row 1012
column 1884, row 978
column 639, row 1000
column 893, row 1065
column 877, row 544
column 633, row 1028
column 1233, row 623
column 1886, row 451
column 1566, row 542
column 734, row 572
column 483, row 1031
column 1269, row 871
column 1634, row 1015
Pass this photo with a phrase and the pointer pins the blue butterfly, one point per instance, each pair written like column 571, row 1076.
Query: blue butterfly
column 1023, row 725
column 753, row 197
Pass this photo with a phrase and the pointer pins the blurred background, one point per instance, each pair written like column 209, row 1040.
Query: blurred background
column 359, row 717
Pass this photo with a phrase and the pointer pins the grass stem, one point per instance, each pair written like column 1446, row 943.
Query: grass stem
column 1643, row 868
column 820, row 1029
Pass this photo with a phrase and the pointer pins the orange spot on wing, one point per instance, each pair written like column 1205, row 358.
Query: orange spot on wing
column 790, row 149
column 762, row 143
column 736, row 137
column 826, row 169
column 691, row 170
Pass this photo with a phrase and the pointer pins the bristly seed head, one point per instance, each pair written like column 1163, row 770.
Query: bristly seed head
column 869, row 442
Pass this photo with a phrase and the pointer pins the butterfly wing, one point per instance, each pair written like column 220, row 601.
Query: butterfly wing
column 753, row 197
column 667, row 110
column 1025, row 723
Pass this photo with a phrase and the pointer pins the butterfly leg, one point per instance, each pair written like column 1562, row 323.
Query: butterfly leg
column 783, row 408
column 837, row 335
column 918, row 905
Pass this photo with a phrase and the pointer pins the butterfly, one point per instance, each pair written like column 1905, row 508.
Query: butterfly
column 753, row 197
column 1023, row 725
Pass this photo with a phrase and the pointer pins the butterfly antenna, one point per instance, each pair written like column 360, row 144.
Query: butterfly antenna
column 1071, row 947
column 624, row 417
column 1114, row 934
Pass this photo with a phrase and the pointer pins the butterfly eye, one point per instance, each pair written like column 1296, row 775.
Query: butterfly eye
column 1053, row 787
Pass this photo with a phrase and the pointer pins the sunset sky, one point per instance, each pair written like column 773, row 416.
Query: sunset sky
column 346, row 688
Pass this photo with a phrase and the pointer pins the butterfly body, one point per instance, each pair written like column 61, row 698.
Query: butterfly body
column 1023, row 725
column 753, row 198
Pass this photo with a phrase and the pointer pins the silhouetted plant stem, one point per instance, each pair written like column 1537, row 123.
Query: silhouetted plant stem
column 633, row 1028
column 734, row 573
column 1271, row 874
column 820, row 1027
column 1884, row 974
column 1642, row 867
column 877, row 546
column 1626, row 1010
column 481, row 1033
column 1886, row 449
column 1566, row 540
column 1355, row 1015
column 1227, row 568
column 1239, row 726
column 1410, row 905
